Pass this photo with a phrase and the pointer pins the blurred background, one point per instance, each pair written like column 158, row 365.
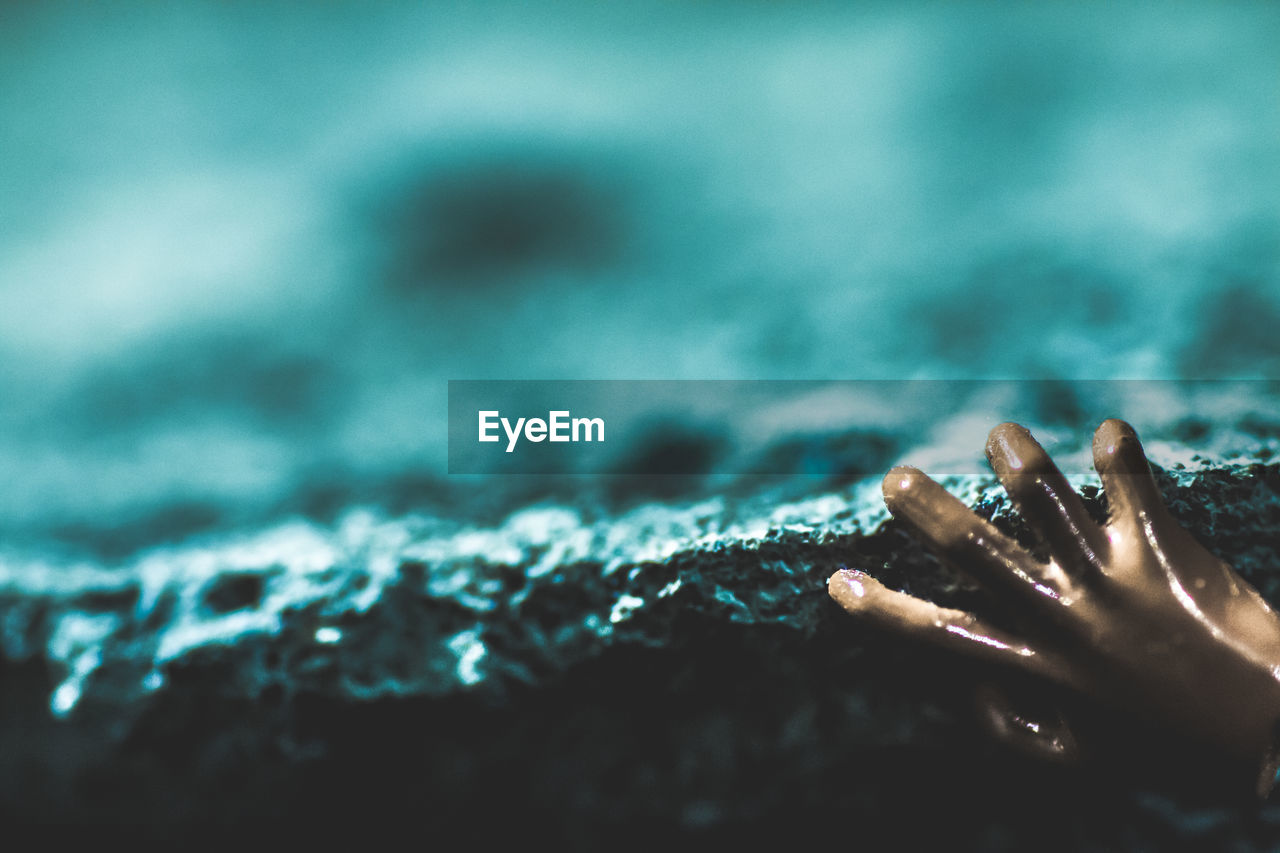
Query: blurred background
column 243, row 246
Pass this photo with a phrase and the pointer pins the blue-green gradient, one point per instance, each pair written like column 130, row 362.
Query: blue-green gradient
column 243, row 246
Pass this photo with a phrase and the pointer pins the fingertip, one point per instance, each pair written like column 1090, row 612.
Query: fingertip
column 1002, row 435
column 1113, row 439
column 847, row 579
column 1126, row 474
column 1111, row 431
column 899, row 483
column 849, row 587
column 1011, row 448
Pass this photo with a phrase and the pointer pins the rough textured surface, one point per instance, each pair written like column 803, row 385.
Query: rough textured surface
column 673, row 667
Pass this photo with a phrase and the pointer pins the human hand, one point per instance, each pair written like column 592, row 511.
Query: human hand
column 1134, row 614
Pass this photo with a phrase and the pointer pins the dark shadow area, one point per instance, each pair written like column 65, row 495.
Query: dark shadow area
column 491, row 218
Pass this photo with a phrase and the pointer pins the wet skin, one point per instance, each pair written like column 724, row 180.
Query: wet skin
column 1133, row 614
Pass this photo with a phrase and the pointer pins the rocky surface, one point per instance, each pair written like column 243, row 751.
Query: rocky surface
column 674, row 666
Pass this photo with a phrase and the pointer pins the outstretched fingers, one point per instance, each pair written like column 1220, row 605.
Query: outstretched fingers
column 972, row 544
column 868, row 599
column 1126, row 476
column 1045, row 499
